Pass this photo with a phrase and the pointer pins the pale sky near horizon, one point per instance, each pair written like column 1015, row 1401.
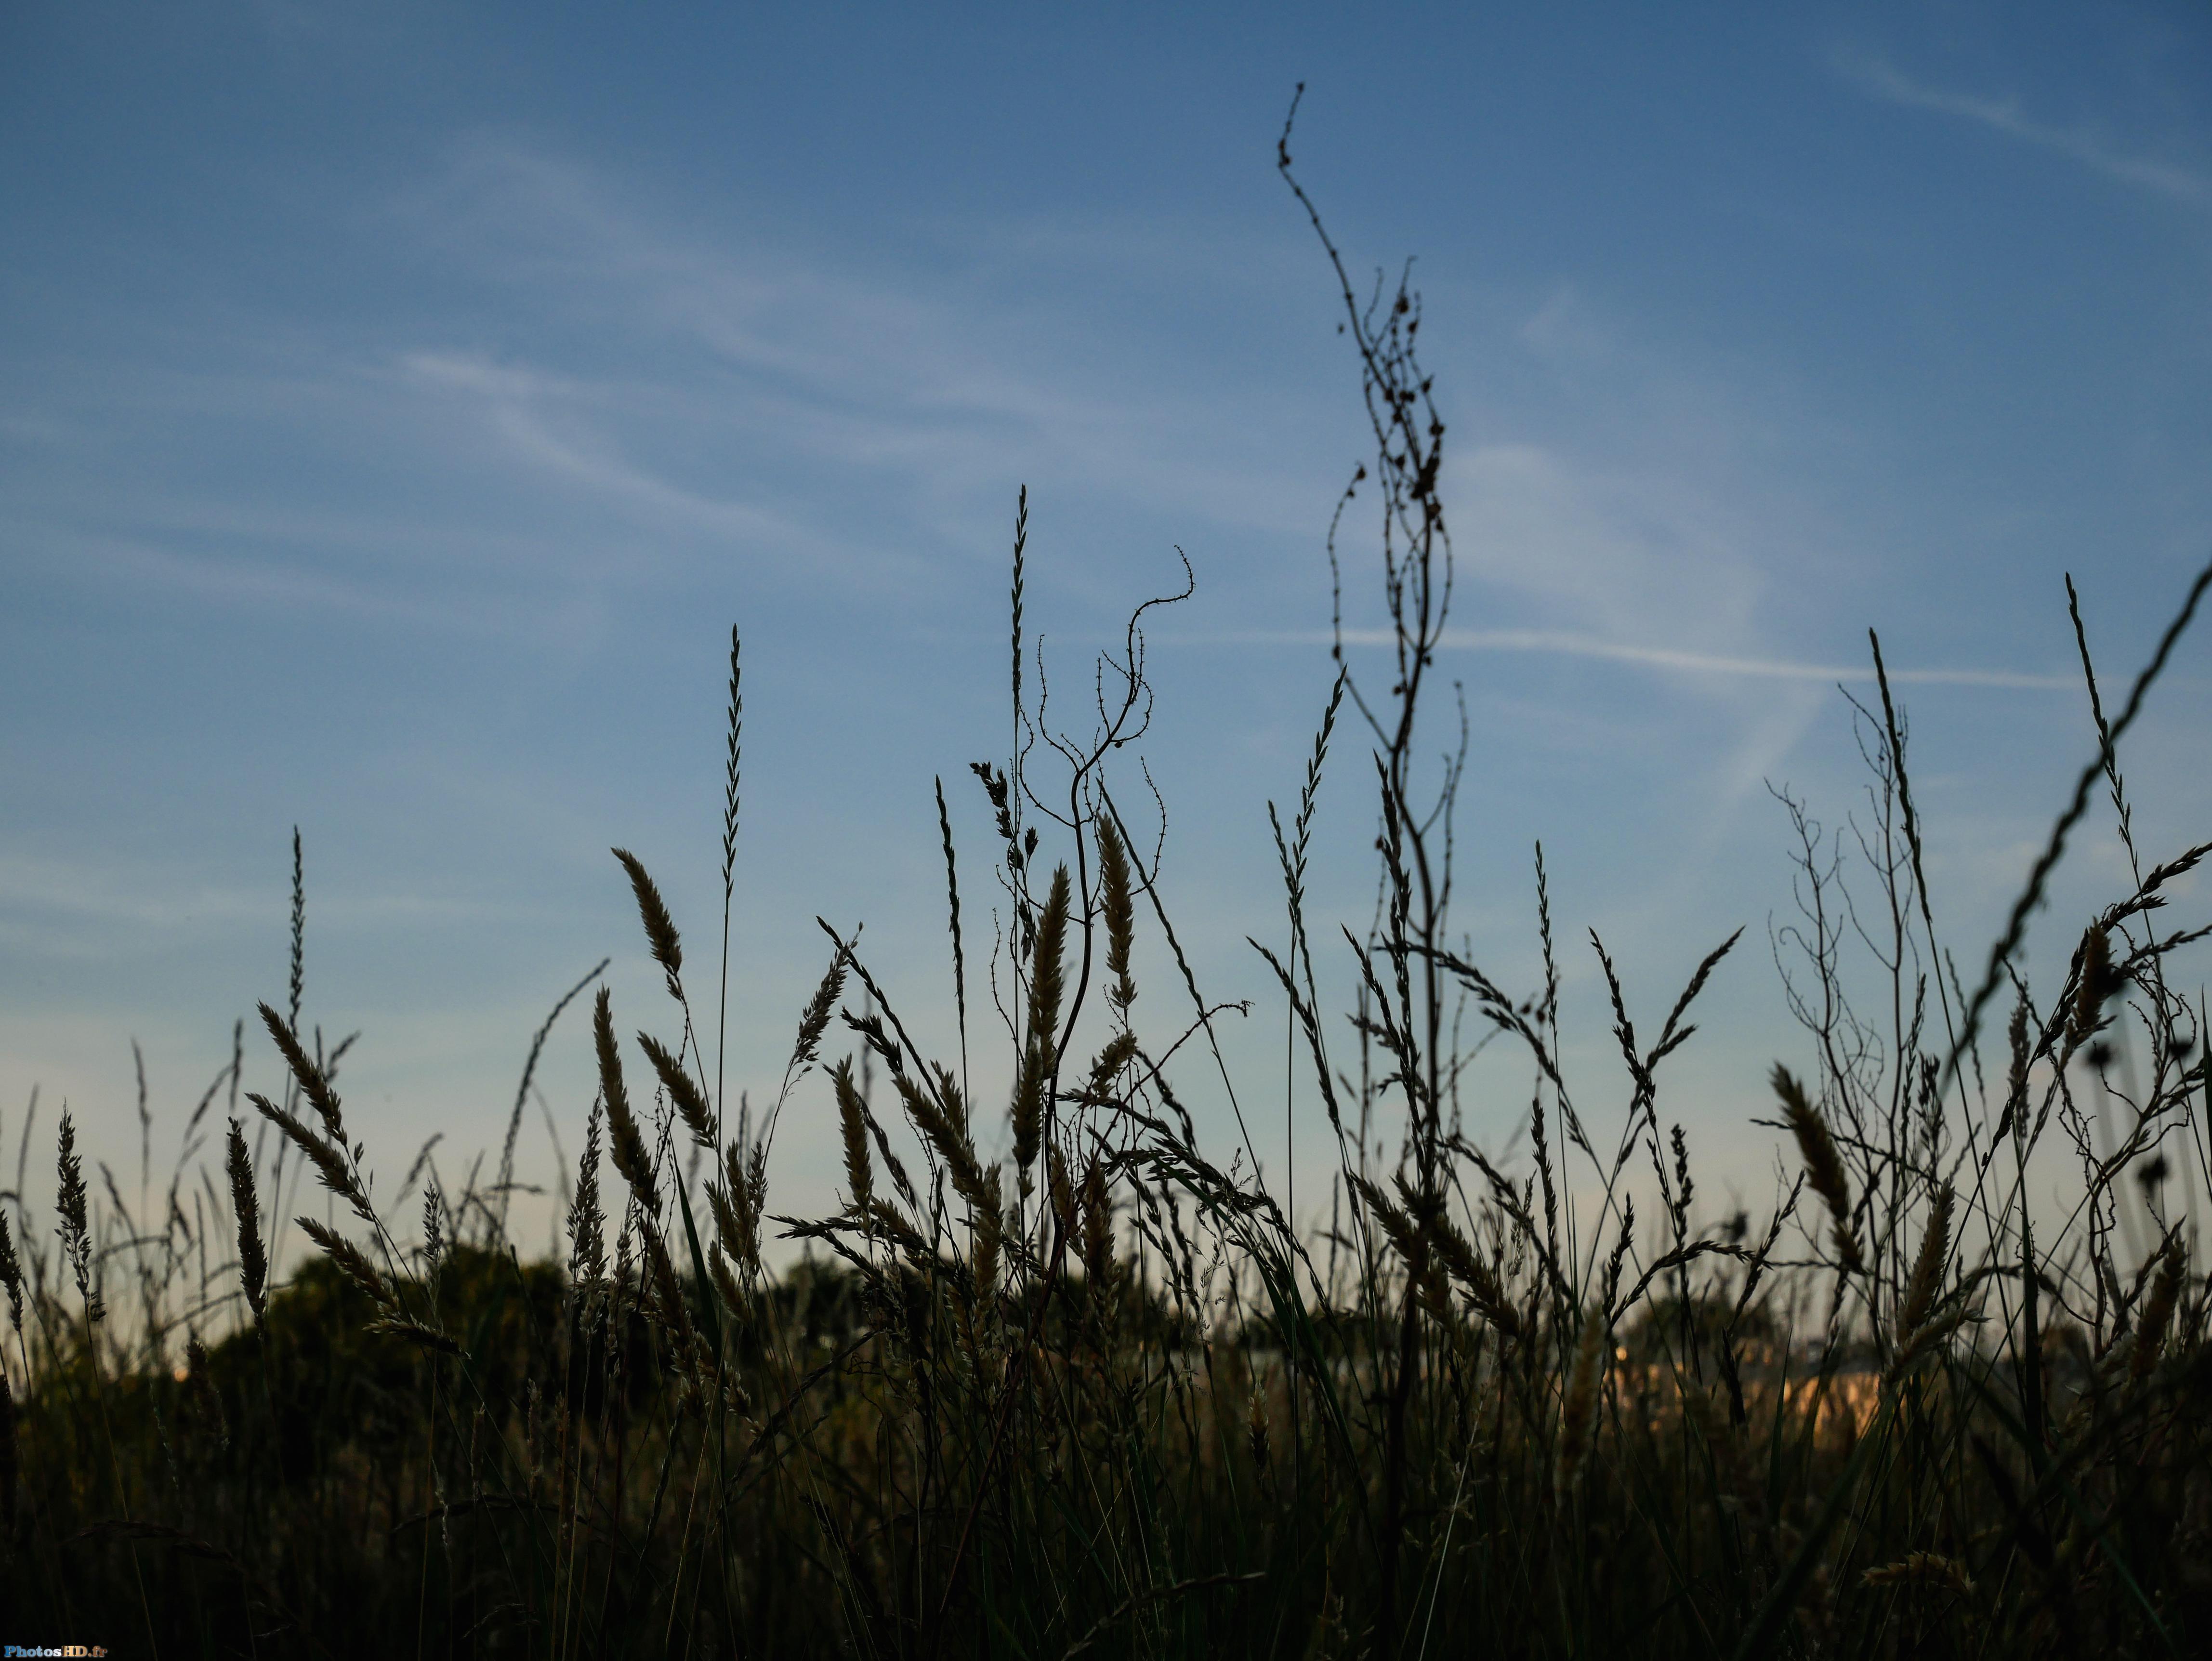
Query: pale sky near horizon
column 399, row 404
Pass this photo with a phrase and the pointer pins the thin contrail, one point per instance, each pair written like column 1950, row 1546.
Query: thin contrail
column 1562, row 643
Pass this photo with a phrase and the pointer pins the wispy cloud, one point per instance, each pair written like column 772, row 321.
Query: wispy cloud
column 2082, row 143
column 1566, row 643
column 948, row 379
column 1649, row 543
column 661, row 394
column 85, row 893
column 518, row 400
column 91, row 910
column 135, row 560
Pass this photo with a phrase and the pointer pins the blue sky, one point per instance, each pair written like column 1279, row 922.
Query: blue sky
column 399, row 404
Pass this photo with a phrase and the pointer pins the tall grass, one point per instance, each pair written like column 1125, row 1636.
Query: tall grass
column 1104, row 1394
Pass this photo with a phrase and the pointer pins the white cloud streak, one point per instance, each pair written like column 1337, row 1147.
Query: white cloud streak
column 515, row 398
column 947, row 385
column 2083, row 144
column 1560, row 643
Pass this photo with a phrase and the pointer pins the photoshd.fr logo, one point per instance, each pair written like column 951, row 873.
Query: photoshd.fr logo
column 10, row 1651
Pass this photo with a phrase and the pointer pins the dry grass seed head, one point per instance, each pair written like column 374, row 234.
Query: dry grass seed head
column 1098, row 1230
column 1579, row 1408
column 729, row 1229
column 1626, row 1239
column 625, row 1143
column 2158, row 1308
column 736, row 1200
column 1429, row 1276
column 12, row 1274
column 329, row 1162
column 1031, row 1081
column 1925, row 1341
column 990, row 1232
column 853, row 1122
column 726, row 1281
column 903, row 1233
column 814, row 1019
column 1824, row 1166
column 690, row 1101
column 252, row 1260
column 1403, row 1235
column 2096, row 983
column 1119, row 905
column 1118, row 1052
column 2018, row 1040
column 674, row 1314
column 314, row 1084
column 1928, row 1266
column 661, row 936
column 414, row 1333
column 1033, row 1077
column 206, row 1400
column 1063, row 1193
column 76, row 1228
column 587, row 1243
column 949, row 1092
column 1047, row 971
column 1462, row 1263
column 944, row 1133
column 435, row 1242
column 348, row 1258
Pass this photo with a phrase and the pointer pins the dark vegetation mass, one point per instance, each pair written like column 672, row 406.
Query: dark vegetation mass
column 1110, row 1395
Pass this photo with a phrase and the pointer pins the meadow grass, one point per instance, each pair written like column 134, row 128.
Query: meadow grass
column 1111, row 1395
